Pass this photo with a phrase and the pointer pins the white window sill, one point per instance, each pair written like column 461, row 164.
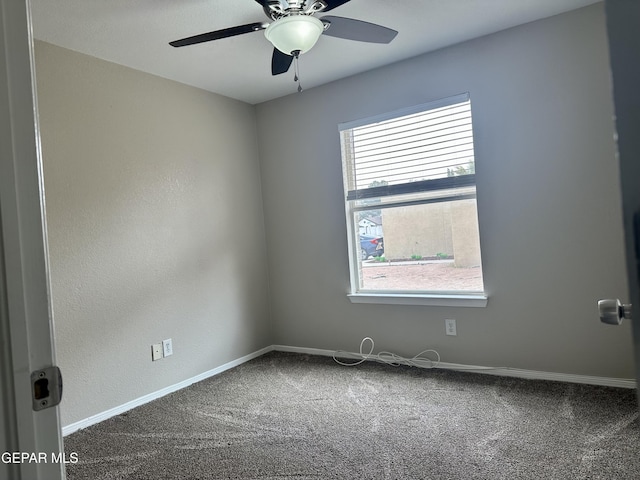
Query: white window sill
column 436, row 300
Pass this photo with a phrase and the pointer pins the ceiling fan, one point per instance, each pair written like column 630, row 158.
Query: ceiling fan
column 295, row 29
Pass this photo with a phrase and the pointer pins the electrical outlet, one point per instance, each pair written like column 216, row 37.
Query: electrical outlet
column 167, row 347
column 450, row 326
column 156, row 351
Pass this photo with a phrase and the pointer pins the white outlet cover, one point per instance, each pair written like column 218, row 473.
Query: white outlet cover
column 450, row 326
column 167, row 347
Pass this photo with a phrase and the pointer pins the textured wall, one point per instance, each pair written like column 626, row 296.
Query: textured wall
column 548, row 203
column 417, row 230
column 445, row 227
column 155, row 228
column 465, row 233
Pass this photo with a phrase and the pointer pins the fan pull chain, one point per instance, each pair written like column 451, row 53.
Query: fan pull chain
column 296, row 75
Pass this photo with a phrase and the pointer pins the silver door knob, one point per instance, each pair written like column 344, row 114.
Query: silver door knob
column 613, row 312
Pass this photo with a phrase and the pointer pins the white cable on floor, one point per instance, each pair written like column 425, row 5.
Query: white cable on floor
column 387, row 357
column 395, row 360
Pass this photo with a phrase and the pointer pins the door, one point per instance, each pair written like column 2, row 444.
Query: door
column 25, row 323
column 623, row 19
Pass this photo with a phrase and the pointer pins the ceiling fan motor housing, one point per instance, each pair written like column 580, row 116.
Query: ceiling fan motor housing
column 276, row 9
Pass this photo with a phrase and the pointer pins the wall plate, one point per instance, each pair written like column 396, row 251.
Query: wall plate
column 167, row 347
column 156, row 351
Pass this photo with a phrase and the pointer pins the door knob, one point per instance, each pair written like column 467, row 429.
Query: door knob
column 613, row 312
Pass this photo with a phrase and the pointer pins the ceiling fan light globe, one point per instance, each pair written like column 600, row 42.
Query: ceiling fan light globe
column 297, row 32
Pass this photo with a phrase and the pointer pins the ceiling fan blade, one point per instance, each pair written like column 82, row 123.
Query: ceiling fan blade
column 280, row 62
column 352, row 29
column 218, row 34
column 331, row 4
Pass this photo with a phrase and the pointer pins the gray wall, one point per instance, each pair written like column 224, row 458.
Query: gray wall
column 155, row 228
column 548, row 203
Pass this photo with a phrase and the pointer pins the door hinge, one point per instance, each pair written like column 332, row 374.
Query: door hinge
column 46, row 388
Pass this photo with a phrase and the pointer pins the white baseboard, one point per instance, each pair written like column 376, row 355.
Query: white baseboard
column 500, row 371
column 87, row 422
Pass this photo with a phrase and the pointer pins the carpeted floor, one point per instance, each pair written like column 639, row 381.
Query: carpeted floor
column 297, row 416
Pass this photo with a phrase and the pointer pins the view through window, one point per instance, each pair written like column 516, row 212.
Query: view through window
column 409, row 179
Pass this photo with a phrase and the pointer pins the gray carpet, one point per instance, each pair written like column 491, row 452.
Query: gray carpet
column 297, row 416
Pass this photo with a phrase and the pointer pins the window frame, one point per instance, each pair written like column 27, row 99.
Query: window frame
column 443, row 189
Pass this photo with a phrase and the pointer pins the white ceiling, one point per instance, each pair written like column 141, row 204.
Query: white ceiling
column 136, row 33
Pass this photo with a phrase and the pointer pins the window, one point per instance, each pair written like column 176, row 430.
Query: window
column 409, row 179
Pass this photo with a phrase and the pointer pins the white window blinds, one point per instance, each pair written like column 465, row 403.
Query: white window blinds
column 427, row 147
